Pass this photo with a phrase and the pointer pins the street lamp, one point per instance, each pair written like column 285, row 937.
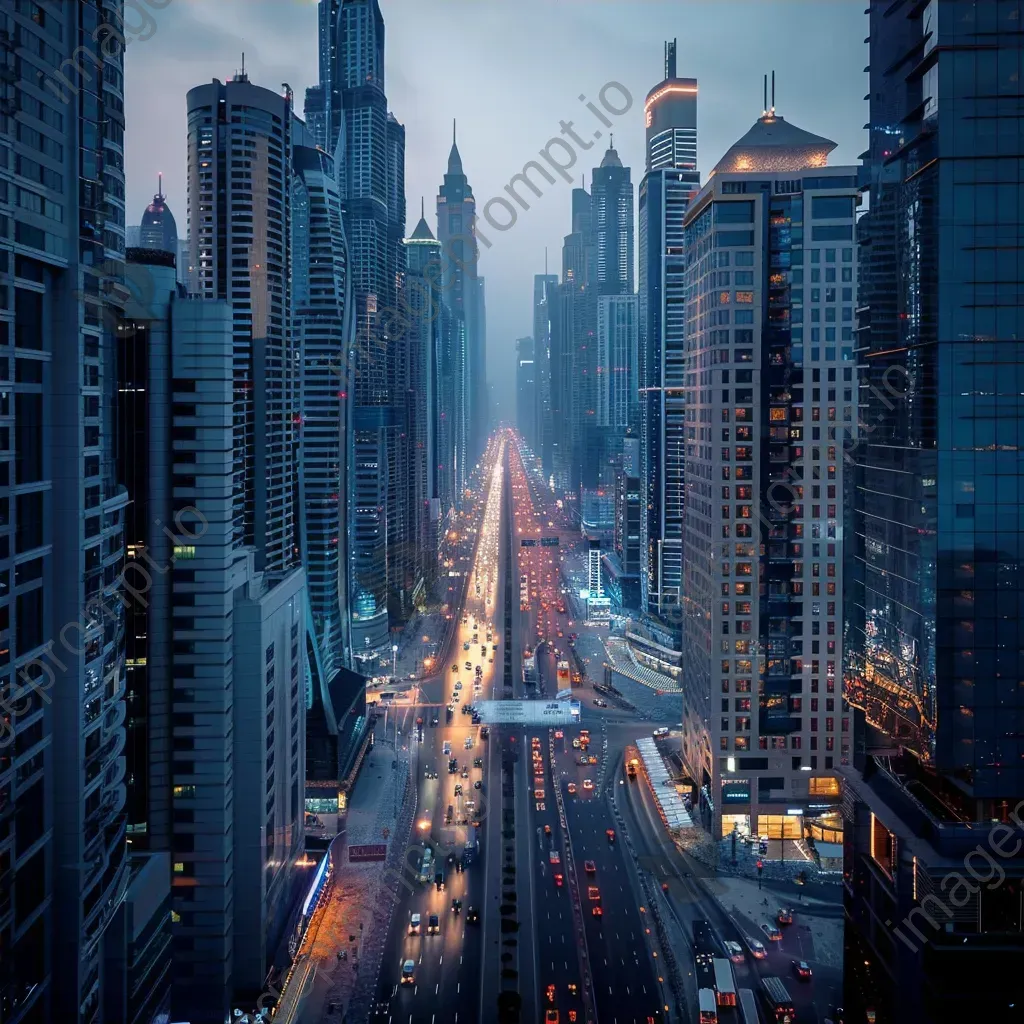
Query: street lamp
column 394, row 660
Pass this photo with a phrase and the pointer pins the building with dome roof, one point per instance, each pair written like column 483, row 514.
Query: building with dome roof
column 769, row 289
column 157, row 229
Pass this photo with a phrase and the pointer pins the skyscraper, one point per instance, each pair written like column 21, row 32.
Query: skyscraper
column 612, row 200
column 239, row 637
column 670, row 113
column 456, row 231
column 934, row 637
column 348, row 114
column 769, row 280
column 427, row 394
column 671, row 180
column 157, row 229
column 62, row 816
column 544, row 290
column 325, row 338
column 526, row 391
column 616, row 388
column 265, row 440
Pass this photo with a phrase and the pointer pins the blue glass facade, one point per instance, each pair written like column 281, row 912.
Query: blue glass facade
column 935, row 654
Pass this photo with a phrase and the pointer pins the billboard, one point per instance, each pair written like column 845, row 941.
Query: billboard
column 549, row 542
column 370, row 851
column 529, row 712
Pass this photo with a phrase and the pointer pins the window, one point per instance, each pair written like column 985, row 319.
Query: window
column 832, row 207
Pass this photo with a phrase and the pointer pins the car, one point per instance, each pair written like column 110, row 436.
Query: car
column 771, row 929
column 559, row 734
column 574, row 989
column 478, row 762
column 465, row 646
column 597, row 911
column 734, row 951
column 535, row 742
column 478, row 784
column 458, row 685
column 455, row 668
column 465, row 773
column 559, row 880
column 593, row 892
column 433, row 925
column 408, row 969
column 551, row 1017
column 592, row 759
column 587, row 784
column 472, row 916
column 414, row 924
column 575, row 743
column 433, row 721
column 458, row 789
column 756, row 947
column 610, row 833
column 598, row 703
column 802, row 969
column 590, row 867
column 550, row 993
column 456, row 905
column 784, row 916
column 469, row 666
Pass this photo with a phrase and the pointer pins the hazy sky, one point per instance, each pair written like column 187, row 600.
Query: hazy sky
column 509, row 71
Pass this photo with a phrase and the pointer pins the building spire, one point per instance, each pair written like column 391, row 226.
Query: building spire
column 423, row 208
column 453, row 131
column 160, row 184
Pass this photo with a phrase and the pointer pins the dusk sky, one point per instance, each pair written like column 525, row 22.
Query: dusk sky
column 509, row 72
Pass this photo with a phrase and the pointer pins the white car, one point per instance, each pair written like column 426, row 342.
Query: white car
column 407, row 972
column 469, row 743
column 414, row 925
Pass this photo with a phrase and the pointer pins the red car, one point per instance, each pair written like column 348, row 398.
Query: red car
column 597, row 912
column 559, row 880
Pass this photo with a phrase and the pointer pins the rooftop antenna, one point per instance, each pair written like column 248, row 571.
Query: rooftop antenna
column 160, row 183
column 545, row 261
column 764, row 109
column 453, row 131
column 243, row 63
column 670, row 59
column 611, row 141
column 773, row 94
column 423, row 208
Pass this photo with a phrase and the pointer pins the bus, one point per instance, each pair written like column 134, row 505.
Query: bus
column 631, row 766
column 708, row 1009
column 777, row 1001
column 725, row 986
column 427, row 865
column 748, row 1007
column 563, row 675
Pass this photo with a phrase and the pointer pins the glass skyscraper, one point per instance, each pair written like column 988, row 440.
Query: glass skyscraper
column 935, row 648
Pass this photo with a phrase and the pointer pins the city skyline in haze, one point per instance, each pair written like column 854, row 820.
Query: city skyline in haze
column 512, row 104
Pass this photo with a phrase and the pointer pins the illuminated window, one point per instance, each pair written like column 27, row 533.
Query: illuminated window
column 745, row 297
column 179, row 867
column 823, row 785
column 184, row 551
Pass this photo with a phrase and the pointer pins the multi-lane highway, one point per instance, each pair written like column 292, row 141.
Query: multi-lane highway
column 586, row 948
column 432, row 963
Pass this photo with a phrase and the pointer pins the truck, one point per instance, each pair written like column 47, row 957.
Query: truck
column 563, row 675
column 708, row 1009
column 427, row 865
column 725, row 984
column 554, row 858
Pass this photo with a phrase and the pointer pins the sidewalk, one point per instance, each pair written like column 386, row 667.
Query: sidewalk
column 356, row 912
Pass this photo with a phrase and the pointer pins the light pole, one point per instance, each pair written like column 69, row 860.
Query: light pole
column 394, row 661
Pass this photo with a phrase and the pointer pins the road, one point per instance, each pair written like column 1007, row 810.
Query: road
column 445, row 983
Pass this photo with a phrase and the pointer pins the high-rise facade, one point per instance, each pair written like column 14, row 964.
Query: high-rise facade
column 347, row 113
column 526, row 391
column 158, row 229
column 324, row 334
column 62, row 776
column 461, row 292
column 670, row 119
column 544, row 291
column 427, row 396
column 933, row 832
column 670, row 182
column 770, row 282
column 227, row 120
column 238, row 759
column 616, row 384
column 611, row 191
